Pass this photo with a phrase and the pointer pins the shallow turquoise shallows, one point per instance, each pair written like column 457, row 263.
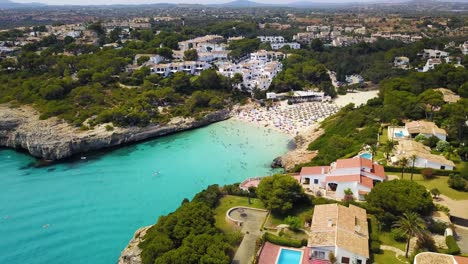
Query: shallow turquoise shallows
column 85, row 211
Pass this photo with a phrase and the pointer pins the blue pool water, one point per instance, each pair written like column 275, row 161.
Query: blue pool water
column 86, row 211
column 288, row 256
column 366, row 156
column 399, row 134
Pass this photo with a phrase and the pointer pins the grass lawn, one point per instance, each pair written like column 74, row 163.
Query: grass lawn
column 299, row 235
column 301, row 211
column 388, row 257
column 439, row 182
column 384, row 136
column 228, row 202
column 387, row 239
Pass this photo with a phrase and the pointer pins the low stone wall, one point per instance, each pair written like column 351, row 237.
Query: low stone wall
column 240, row 222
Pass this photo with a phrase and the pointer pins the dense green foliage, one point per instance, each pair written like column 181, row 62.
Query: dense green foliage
column 453, row 248
column 399, row 98
column 390, row 199
column 302, row 71
column 188, row 235
column 282, row 241
column 279, row 193
column 94, row 85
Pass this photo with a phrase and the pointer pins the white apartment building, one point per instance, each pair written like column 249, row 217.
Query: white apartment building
column 203, row 42
column 257, row 72
column 271, row 39
column 305, row 37
column 401, row 62
column 189, row 67
column 292, row 45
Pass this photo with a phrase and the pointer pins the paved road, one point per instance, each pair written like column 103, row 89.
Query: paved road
column 251, row 229
column 462, row 238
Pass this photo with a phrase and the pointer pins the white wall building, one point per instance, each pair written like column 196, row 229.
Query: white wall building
column 189, row 67
column 292, row 45
column 341, row 230
column 424, row 157
column 257, row 72
column 358, row 174
column 271, row 39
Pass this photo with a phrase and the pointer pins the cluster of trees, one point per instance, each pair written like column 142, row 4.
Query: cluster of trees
column 300, row 71
column 408, row 97
column 94, row 86
column 279, row 193
column 189, row 235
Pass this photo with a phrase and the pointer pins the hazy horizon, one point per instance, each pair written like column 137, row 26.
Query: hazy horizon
column 139, row 2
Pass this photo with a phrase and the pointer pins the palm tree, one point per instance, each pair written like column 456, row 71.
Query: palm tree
column 413, row 161
column 388, row 147
column 410, row 224
column 403, row 164
column 373, row 151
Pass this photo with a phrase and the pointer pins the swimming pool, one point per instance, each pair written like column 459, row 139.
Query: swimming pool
column 399, row 134
column 287, row 256
column 366, row 156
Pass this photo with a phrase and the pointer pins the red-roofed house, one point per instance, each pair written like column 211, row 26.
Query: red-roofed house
column 358, row 174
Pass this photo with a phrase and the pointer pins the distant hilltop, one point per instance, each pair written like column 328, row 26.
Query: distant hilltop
column 10, row 4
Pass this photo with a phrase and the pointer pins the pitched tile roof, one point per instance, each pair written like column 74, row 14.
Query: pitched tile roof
column 344, row 227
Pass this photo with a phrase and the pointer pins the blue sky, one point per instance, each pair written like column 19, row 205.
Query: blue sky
column 107, row 2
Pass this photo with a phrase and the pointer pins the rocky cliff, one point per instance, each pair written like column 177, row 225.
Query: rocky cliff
column 53, row 139
column 132, row 253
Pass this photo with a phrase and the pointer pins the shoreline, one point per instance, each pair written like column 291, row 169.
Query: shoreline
column 52, row 140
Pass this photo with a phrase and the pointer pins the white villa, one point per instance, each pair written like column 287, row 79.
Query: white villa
column 357, row 174
column 424, row 157
column 415, row 128
column 401, row 63
column 464, row 48
column 431, row 64
column 434, row 54
column 341, row 230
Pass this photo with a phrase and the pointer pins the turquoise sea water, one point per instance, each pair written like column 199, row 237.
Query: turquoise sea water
column 85, row 211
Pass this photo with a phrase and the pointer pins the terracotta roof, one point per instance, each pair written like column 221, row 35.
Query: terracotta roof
column 344, row 178
column 362, row 192
column 424, row 127
column 344, row 227
column 407, row 148
column 314, row 170
column 449, row 96
column 461, row 260
column 367, row 182
column 348, row 163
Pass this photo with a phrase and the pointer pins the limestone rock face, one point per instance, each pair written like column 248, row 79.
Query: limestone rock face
column 132, row 253
column 54, row 139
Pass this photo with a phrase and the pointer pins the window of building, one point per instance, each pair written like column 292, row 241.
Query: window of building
column 358, row 261
column 319, row 254
column 442, row 167
column 345, row 260
column 315, row 181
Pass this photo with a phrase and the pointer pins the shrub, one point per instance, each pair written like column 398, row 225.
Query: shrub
column 293, row 222
column 109, row 128
column 426, row 242
column 398, row 235
column 457, row 182
column 437, row 227
column 427, row 173
column 453, row 248
column 375, row 247
column 282, row 241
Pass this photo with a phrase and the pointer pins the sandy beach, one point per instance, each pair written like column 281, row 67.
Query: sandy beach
column 300, row 121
